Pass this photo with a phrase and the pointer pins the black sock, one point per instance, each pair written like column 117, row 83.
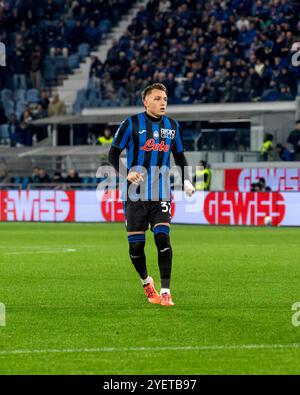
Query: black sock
column 164, row 249
column 137, row 254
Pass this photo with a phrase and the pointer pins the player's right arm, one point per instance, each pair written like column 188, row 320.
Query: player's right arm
column 120, row 141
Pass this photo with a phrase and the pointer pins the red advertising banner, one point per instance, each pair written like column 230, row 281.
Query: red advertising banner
column 278, row 179
column 40, row 206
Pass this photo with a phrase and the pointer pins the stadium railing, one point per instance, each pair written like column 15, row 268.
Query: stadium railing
column 61, row 186
column 10, row 186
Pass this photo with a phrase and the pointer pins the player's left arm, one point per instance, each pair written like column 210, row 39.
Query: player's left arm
column 177, row 149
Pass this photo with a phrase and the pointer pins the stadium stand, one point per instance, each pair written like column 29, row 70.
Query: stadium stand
column 47, row 40
column 205, row 52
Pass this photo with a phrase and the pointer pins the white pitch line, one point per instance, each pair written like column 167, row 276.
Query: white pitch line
column 40, row 252
column 167, row 348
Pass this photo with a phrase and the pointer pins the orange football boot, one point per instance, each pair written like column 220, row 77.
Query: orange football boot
column 151, row 292
column 166, row 300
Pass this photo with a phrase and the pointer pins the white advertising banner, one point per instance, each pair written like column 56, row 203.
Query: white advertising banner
column 217, row 208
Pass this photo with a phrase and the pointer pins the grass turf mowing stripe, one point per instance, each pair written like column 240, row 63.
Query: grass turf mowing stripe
column 166, row 348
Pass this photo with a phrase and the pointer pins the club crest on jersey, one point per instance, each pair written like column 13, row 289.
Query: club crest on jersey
column 151, row 145
column 167, row 133
column 156, row 134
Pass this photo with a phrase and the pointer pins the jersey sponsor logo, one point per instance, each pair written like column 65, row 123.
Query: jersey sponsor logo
column 151, row 145
column 167, row 133
column 142, row 131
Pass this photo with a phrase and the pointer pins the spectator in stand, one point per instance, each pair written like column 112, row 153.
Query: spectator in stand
column 132, row 88
column 76, row 35
column 26, row 117
column 255, row 187
column 108, row 91
column 24, row 134
column 35, row 68
column 92, row 33
column 267, row 149
column 57, row 177
column 59, row 47
column 44, row 101
column 4, row 177
column 73, row 177
column 43, row 177
column 19, row 66
column 12, row 130
column 164, row 6
column 3, row 117
column 294, row 140
column 262, row 186
column 34, row 179
column 56, row 107
column 107, row 137
column 283, row 153
column 40, row 112
column 40, row 130
column 50, row 9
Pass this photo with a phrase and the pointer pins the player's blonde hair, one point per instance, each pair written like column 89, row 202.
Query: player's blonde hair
column 151, row 87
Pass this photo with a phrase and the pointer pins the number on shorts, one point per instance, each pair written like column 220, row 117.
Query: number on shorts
column 165, row 207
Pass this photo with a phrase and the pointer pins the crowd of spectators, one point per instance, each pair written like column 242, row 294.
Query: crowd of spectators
column 280, row 152
column 204, row 52
column 17, row 128
column 41, row 177
column 45, row 39
column 33, row 30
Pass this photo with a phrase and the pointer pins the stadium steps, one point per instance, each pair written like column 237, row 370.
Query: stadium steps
column 79, row 79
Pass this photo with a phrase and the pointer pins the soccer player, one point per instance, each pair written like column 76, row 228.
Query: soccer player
column 149, row 138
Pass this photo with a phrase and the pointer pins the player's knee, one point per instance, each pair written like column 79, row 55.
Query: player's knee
column 136, row 244
column 162, row 237
column 136, row 248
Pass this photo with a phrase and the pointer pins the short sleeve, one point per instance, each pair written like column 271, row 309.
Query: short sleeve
column 177, row 146
column 122, row 135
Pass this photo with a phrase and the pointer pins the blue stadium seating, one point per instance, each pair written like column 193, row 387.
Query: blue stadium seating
column 32, row 96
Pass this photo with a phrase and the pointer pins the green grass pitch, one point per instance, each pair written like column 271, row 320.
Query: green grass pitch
column 74, row 304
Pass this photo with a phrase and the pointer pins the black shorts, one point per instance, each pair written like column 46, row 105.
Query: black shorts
column 139, row 214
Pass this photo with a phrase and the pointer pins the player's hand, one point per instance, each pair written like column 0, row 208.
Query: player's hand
column 134, row 177
column 188, row 188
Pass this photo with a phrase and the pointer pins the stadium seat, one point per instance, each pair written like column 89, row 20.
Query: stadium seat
column 104, row 26
column 6, row 94
column 32, row 95
column 73, row 61
column 4, row 135
column 9, row 107
column 60, row 64
column 70, row 24
column 86, row 180
column 25, row 182
column 77, row 106
column 20, row 107
column 83, row 50
column 20, row 94
column 16, row 180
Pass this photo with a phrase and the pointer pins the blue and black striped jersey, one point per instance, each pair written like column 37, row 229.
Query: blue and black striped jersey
column 147, row 142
